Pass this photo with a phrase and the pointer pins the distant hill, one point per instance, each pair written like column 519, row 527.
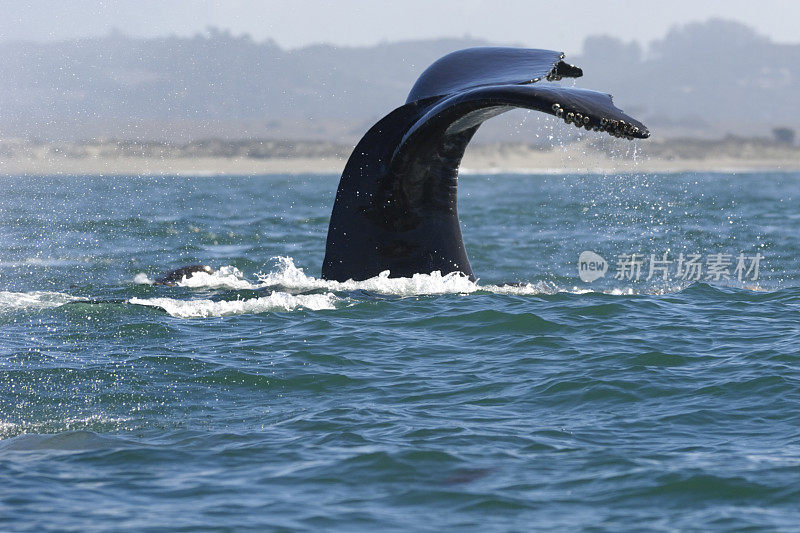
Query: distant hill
column 712, row 78
column 705, row 79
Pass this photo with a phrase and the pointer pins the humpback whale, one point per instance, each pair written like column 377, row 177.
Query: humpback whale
column 396, row 204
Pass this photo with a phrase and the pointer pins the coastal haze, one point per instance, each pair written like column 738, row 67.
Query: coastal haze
column 221, row 86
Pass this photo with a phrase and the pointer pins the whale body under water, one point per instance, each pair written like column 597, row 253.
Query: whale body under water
column 172, row 277
column 396, row 205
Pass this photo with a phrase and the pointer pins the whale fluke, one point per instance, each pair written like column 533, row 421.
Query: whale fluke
column 396, row 205
column 490, row 65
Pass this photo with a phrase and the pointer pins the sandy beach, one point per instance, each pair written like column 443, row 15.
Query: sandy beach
column 577, row 157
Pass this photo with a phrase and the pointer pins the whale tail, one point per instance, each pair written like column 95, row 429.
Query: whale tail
column 396, row 205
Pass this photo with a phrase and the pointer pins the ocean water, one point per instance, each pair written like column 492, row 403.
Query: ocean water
column 262, row 398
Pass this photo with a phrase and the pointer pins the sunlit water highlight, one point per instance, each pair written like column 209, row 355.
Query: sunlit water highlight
column 261, row 397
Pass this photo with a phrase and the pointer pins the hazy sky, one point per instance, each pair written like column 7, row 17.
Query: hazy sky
column 293, row 23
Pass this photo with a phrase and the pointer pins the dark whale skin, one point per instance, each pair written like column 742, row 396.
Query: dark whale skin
column 396, row 205
column 172, row 277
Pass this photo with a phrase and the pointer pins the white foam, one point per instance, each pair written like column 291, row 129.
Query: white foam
column 227, row 277
column 287, row 275
column 290, row 276
column 142, row 279
column 20, row 301
column 7, row 429
column 12, row 429
column 524, row 289
column 276, row 301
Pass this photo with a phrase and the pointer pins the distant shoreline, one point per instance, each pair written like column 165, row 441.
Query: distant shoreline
column 667, row 156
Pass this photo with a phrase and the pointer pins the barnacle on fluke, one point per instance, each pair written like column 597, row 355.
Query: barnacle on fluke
column 396, row 206
column 617, row 128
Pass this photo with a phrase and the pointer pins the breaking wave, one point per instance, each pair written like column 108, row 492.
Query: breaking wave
column 23, row 301
column 289, row 284
column 287, row 275
column 277, row 301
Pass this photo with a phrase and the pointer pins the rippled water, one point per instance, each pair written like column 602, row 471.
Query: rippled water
column 262, row 397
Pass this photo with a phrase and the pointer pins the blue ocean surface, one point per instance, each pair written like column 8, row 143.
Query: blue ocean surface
column 664, row 394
